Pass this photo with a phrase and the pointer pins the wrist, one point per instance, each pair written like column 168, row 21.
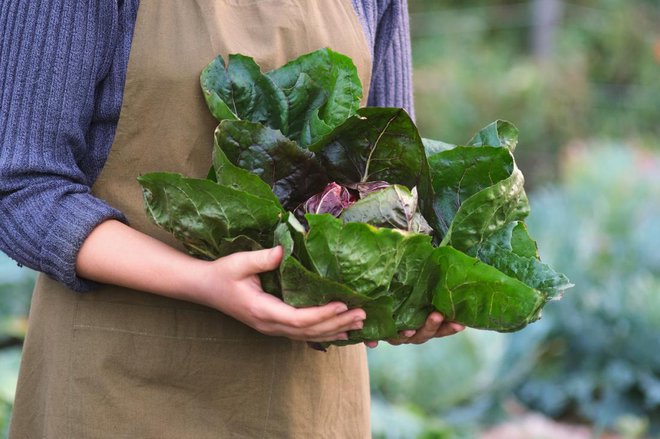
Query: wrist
column 195, row 281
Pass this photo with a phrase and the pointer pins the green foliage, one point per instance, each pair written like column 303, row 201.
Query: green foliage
column 466, row 196
column 5, row 414
column 453, row 382
column 15, row 292
column 203, row 214
column 303, row 99
column 473, row 62
column 15, row 288
column 9, row 361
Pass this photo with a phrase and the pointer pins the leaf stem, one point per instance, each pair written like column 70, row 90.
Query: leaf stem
column 366, row 169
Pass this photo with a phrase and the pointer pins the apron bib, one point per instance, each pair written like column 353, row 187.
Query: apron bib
column 119, row 363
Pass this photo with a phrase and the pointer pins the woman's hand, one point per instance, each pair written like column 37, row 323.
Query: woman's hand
column 435, row 327
column 231, row 285
column 116, row 254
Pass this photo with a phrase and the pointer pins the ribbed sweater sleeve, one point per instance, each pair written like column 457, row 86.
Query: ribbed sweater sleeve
column 386, row 25
column 62, row 67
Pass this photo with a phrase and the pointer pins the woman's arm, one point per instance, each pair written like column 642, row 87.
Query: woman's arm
column 60, row 95
column 117, row 254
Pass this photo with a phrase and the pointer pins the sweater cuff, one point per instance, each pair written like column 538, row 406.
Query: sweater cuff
column 77, row 216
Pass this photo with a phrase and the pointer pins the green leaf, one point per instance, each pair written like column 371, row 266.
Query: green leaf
column 459, row 173
column 478, row 191
column 379, row 144
column 410, row 287
column 513, row 252
column 498, row 133
column 201, row 213
column 488, row 211
column 521, row 243
column 227, row 174
column 376, row 144
column 240, row 91
column 475, row 294
column 435, row 146
column 303, row 288
column 379, row 324
column 322, row 90
column 357, row 255
column 394, row 207
column 293, row 173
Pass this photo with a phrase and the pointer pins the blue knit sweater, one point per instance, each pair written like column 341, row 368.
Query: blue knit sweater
column 62, row 69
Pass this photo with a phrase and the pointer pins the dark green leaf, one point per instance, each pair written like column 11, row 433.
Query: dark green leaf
column 201, row 213
column 227, row 174
column 358, row 255
column 379, row 144
column 303, row 288
column 322, row 89
column 376, row 144
column 488, row 211
column 513, row 252
column 410, row 287
column 291, row 172
column 241, row 91
column 435, row 146
column 498, row 133
column 282, row 236
column 475, row 294
column 478, row 191
column 461, row 172
column 521, row 243
column 379, row 324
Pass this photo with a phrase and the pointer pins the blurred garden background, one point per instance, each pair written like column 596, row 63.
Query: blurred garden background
column 581, row 80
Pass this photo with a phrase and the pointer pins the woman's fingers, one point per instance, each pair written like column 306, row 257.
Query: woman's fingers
column 428, row 330
column 434, row 327
column 325, row 330
column 317, row 323
column 245, row 264
column 449, row 328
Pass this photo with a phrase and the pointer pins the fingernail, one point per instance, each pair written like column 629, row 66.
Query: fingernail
column 359, row 317
column 358, row 325
column 340, row 309
column 408, row 333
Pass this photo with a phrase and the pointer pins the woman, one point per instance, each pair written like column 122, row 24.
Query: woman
column 160, row 344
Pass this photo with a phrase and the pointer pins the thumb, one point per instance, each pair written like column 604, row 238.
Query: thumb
column 257, row 261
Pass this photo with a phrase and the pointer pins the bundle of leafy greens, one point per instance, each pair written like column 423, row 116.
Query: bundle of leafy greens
column 368, row 212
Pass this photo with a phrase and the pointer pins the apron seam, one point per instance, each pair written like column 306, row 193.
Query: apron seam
column 270, row 396
column 69, row 386
column 169, row 337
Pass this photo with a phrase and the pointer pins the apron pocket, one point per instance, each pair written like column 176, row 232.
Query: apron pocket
column 159, row 372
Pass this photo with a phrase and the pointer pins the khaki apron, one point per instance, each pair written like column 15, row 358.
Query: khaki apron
column 118, row 363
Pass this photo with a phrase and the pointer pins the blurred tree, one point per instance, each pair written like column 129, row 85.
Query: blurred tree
column 474, row 63
column 546, row 15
